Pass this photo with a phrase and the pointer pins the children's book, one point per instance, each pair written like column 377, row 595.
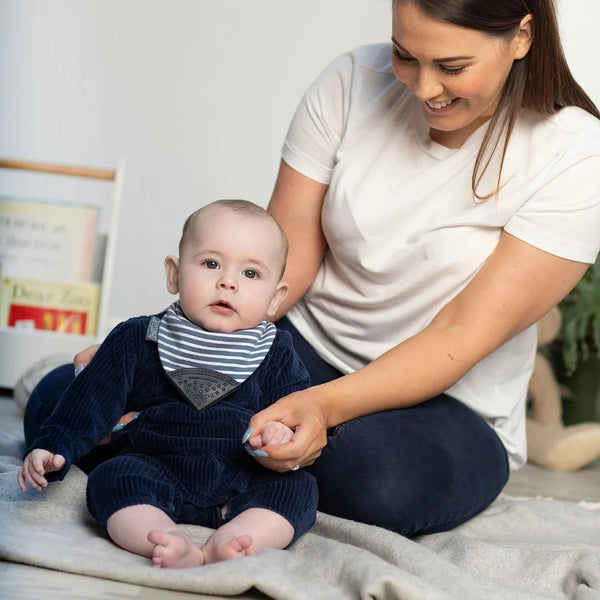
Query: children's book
column 46, row 240
column 52, row 306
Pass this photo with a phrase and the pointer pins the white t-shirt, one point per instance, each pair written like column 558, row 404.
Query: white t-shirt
column 405, row 234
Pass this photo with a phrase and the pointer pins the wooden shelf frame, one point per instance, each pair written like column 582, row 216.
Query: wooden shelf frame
column 57, row 169
column 22, row 348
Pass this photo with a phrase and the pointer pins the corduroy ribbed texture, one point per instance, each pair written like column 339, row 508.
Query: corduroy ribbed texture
column 194, row 458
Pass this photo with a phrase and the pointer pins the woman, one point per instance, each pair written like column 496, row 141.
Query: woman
column 430, row 190
column 431, row 224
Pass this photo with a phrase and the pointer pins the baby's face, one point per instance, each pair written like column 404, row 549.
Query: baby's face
column 230, row 270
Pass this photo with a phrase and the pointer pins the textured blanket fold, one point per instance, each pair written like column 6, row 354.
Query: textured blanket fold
column 518, row 549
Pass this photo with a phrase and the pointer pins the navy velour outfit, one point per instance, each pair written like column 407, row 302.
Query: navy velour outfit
column 190, row 463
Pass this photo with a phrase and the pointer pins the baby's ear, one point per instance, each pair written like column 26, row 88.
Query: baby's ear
column 278, row 297
column 172, row 271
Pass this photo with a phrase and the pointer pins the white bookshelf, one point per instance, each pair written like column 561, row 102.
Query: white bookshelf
column 21, row 348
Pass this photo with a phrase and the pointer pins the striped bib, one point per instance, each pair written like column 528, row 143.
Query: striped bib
column 206, row 365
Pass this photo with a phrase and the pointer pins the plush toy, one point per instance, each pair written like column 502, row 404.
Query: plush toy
column 549, row 443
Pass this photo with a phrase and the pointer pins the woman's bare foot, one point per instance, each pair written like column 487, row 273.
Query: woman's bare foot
column 173, row 550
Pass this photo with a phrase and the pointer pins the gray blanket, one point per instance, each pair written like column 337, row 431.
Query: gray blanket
column 517, row 549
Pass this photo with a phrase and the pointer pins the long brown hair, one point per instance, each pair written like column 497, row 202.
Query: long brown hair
column 541, row 81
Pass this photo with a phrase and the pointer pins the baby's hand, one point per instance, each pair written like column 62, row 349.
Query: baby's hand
column 275, row 432
column 272, row 433
column 36, row 464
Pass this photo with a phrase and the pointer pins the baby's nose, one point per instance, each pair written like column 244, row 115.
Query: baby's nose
column 227, row 283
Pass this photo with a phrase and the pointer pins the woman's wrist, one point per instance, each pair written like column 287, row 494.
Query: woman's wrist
column 334, row 400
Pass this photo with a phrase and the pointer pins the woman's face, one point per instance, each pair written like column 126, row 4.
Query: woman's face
column 457, row 73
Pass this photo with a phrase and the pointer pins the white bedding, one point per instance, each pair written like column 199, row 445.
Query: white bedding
column 517, row 549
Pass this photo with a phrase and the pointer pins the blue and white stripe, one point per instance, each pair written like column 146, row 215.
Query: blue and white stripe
column 184, row 345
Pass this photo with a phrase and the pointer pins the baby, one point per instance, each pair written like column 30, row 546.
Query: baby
column 193, row 376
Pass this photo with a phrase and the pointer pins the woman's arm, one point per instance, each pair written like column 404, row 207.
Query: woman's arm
column 516, row 286
column 296, row 205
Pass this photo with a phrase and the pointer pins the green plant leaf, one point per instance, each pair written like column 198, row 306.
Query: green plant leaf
column 580, row 331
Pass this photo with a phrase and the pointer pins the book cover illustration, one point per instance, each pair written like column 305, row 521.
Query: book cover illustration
column 47, row 240
column 51, row 306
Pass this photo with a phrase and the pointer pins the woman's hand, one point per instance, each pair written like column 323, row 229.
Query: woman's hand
column 124, row 420
column 302, row 413
column 82, row 359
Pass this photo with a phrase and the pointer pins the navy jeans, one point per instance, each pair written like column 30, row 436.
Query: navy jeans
column 415, row 470
column 422, row 469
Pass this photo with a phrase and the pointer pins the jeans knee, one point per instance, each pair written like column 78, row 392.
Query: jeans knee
column 411, row 471
column 43, row 398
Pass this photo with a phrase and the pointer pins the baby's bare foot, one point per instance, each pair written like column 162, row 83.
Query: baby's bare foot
column 174, row 550
column 217, row 549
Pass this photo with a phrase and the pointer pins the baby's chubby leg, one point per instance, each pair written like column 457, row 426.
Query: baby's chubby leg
column 148, row 531
column 246, row 534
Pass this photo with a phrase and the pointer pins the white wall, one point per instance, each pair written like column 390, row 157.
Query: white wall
column 195, row 95
column 579, row 21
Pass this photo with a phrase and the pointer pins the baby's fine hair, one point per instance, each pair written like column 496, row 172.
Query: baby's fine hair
column 239, row 206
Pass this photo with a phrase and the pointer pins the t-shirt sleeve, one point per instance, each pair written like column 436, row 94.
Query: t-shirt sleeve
column 319, row 121
column 563, row 216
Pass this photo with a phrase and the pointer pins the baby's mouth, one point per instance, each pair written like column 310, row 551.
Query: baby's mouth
column 222, row 306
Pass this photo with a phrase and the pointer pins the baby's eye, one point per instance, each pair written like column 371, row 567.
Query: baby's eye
column 251, row 274
column 210, row 264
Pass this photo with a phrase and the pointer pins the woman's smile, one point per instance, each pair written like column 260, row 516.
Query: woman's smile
column 442, row 107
